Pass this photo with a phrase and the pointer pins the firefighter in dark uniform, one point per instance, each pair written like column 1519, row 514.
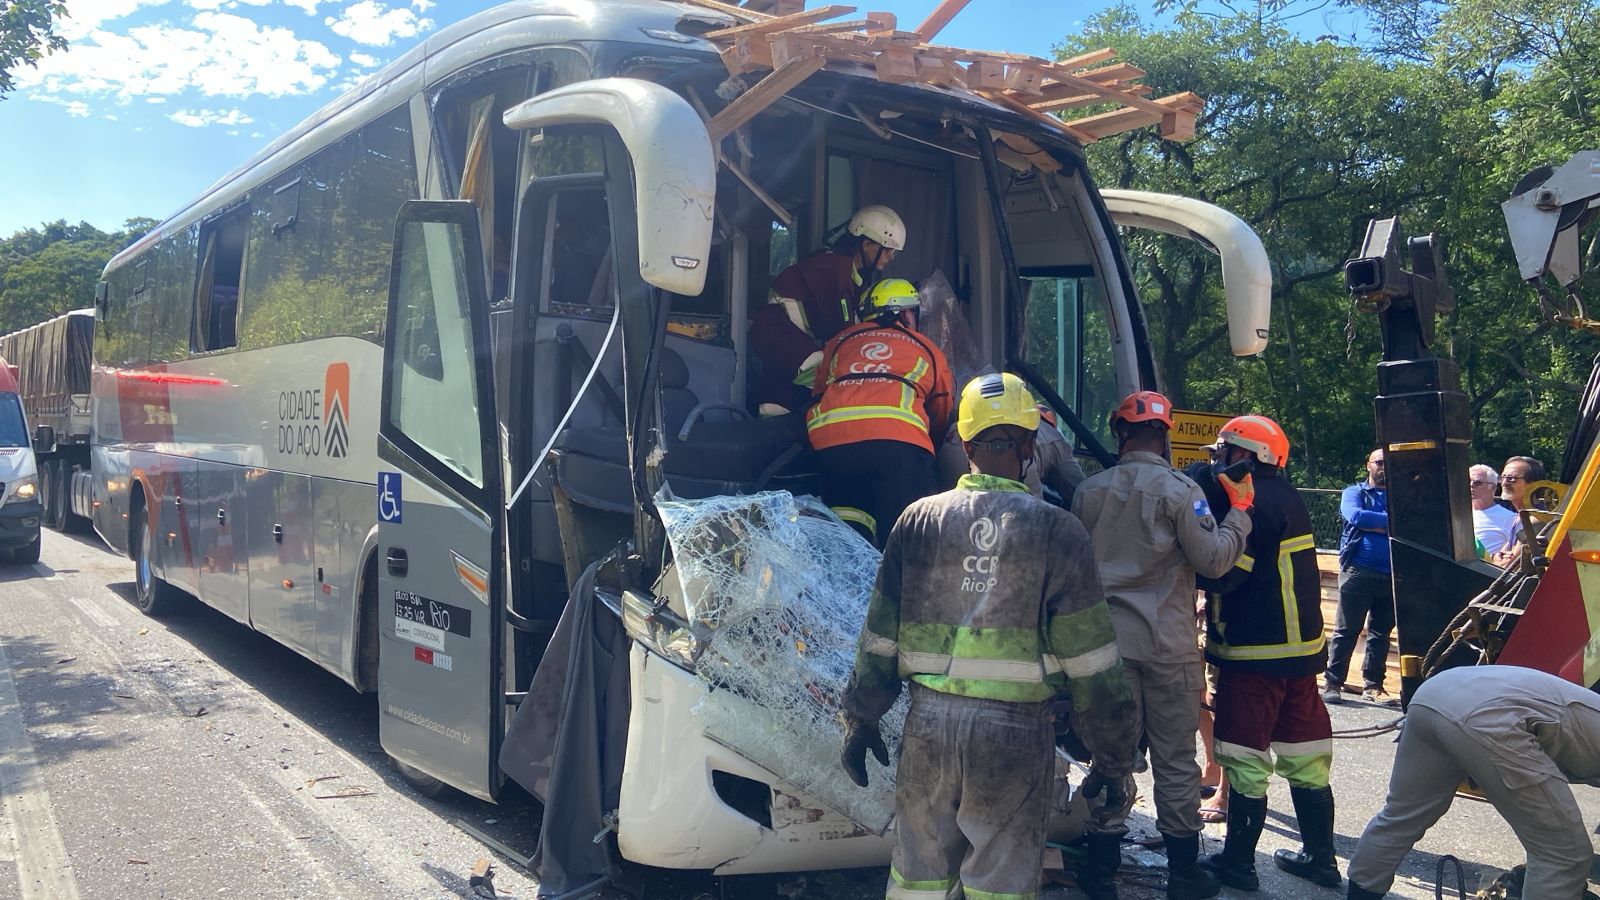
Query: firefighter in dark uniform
column 1264, row 634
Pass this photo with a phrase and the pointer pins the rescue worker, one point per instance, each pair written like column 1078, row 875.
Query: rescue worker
column 1153, row 531
column 988, row 601
column 1521, row 736
column 1264, row 633
column 1054, row 464
column 881, row 391
column 815, row 299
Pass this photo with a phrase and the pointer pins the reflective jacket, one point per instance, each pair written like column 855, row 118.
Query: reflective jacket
column 1153, row 531
column 880, row 383
column 986, row 591
column 1265, row 614
column 811, row 301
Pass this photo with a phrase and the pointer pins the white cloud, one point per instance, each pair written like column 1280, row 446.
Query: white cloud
column 363, row 60
column 84, row 16
column 423, row 5
column 213, row 5
column 308, row 6
column 109, row 117
column 222, row 55
column 199, row 118
column 370, row 22
column 155, row 99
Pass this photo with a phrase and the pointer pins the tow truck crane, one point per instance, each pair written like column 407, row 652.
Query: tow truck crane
column 1543, row 611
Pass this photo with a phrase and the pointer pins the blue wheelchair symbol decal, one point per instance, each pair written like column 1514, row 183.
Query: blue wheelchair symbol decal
column 389, row 497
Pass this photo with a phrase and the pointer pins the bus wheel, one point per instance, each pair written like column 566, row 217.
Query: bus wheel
column 153, row 596
column 420, row 781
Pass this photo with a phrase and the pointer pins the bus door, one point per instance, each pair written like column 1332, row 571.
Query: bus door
column 439, row 505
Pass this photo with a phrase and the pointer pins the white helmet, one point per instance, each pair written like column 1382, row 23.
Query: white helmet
column 880, row 224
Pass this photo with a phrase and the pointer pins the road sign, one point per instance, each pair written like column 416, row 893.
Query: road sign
column 1192, row 432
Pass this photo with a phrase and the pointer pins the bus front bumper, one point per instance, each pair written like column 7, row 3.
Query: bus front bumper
column 690, row 803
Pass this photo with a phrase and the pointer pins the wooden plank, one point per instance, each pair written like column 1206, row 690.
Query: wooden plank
column 1076, row 101
column 1024, row 79
column 1109, row 74
column 940, row 17
column 1093, row 57
column 873, row 23
column 941, row 73
column 1181, row 108
column 1112, row 94
column 1031, row 113
column 779, row 23
column 747, row 55
column 766, row 92
column 896, row 66
column 738, row 13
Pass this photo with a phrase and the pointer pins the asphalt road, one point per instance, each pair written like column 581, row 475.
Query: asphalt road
column 191, row 757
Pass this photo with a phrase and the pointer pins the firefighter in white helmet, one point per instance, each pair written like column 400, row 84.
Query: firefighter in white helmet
column 813, row 300
column 988, row 601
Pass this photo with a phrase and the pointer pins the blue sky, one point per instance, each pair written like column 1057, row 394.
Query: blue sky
column 156, row 99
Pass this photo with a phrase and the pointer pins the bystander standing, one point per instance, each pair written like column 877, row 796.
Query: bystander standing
column 1366, row 593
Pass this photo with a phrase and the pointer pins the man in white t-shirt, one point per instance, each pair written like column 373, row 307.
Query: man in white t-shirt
column 1496, row 527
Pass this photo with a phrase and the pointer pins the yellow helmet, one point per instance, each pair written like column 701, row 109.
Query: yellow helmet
column 890, row 295
column 999, row 399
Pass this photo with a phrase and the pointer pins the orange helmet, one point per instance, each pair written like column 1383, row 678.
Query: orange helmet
column 1144, row 406
column 1259, row 435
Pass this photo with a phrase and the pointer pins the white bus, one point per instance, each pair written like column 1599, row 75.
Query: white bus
column 343, row 396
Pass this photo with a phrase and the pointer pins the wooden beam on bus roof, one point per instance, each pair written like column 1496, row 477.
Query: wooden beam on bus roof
column 1175, row 114
column 779, row 23
column 765, row 92
column 940, row 17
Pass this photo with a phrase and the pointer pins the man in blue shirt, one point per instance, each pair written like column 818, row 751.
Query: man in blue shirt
column 1366, row 593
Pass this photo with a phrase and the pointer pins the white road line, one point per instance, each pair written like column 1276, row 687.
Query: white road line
column 42, row 867
column 92, row 612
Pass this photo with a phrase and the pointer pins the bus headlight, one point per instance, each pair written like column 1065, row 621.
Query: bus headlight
column 659, row 628
column 22, row 490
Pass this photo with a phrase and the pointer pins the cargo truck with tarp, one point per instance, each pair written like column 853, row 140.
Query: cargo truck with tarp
column 52, row 360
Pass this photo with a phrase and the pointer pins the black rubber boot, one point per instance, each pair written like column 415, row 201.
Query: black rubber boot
column 1185, row 879
column 1235, row 866
column 1098, row 877
column 1361, row 893
column 1315, row 862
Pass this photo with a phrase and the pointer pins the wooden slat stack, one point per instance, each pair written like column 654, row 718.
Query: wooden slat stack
column 792, row 42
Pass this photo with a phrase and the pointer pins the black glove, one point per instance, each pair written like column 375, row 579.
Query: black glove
column 858, row 738
column 1120, row 793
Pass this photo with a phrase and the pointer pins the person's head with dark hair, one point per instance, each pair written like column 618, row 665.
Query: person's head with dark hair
column 1515, row 476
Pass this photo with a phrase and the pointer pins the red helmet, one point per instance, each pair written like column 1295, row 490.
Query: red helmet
column 1259, row 435
column 1144, row 406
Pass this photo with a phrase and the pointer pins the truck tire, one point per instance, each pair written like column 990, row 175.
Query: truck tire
column 153, row 596
column 55, row 495
column 420, row 781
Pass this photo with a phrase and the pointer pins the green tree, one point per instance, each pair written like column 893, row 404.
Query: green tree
column 1432, row 118
column 27, row 33
column 48, row 270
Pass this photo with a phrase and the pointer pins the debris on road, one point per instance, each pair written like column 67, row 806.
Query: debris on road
column 354, row 790
column 482, row 880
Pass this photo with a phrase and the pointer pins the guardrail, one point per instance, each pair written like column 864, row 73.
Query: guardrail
column 1326, row 525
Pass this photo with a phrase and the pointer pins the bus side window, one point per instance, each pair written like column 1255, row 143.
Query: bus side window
column 216, row 299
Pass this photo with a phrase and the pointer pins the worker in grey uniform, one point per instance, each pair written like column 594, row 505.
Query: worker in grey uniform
column 988, row 602
column 1522, row 736
column 1153, row 530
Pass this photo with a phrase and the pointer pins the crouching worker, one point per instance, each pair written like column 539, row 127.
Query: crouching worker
column 1153, row 531
column 883, row 389
column 988, row 601
column 1521, row 736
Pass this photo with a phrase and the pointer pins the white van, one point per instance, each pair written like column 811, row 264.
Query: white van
column 20, row 509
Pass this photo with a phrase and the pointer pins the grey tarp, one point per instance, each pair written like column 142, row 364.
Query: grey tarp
column 568, row 737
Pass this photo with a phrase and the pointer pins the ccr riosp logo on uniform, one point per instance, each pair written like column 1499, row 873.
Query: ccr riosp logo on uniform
column 877, row 351
column 335, row 424
column 980, row 567
column 984, row 535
